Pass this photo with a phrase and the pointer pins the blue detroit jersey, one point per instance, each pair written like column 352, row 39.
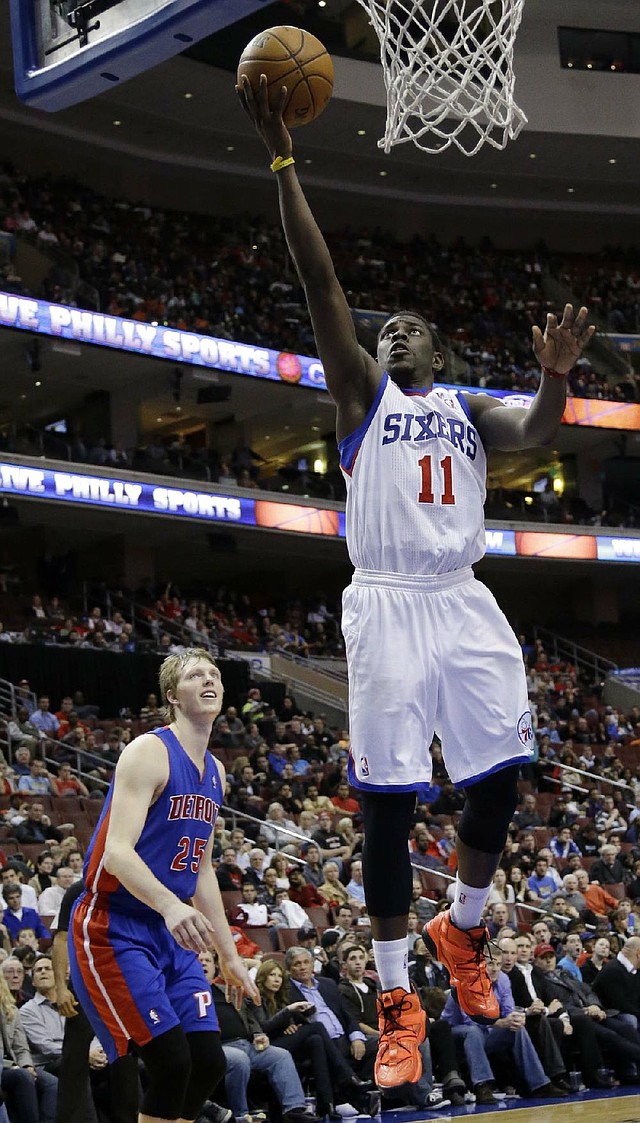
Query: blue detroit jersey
column 174, row 836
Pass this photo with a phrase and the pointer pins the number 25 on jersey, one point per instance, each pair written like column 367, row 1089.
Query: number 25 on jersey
column 442, row 473
column 187, row 856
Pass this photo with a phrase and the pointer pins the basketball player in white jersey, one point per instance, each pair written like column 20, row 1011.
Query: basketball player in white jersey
column 428, row 648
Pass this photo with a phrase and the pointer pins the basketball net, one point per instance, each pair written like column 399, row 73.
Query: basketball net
column 448, row 72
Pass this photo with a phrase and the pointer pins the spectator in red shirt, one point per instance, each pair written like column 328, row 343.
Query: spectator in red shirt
column 70, row 724
column 343, row 801
column 301, row 891
column 66, row 783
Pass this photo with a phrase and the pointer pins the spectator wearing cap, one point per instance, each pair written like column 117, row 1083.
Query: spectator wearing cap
column 507, row 1036
column 562, row 991
column 301, row 891
column 44, row 719
column 254, row 707
column 24, row 696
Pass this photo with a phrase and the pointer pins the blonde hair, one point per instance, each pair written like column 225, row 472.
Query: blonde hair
column 8, row 1007
column 171, row 670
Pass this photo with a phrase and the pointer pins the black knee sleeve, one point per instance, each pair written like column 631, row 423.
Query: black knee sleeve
column 489, row 809
column 386, row 866
column 167, row 1060
column 208, row 1064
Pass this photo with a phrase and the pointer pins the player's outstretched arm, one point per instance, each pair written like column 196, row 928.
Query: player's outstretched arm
column 141, row 774
column 509, row 429
column 352, row 375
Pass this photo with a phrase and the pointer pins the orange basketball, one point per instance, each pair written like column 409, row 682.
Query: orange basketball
column 293, row 58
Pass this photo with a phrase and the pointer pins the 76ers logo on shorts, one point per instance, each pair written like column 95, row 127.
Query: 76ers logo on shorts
column 525, row 730
column 364, row 766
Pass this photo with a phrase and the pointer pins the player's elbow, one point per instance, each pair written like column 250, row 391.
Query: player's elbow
column 114, row 857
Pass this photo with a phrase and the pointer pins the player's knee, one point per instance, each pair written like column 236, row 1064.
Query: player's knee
column 167, row 1060
column 488, row 810
column 208, row 1066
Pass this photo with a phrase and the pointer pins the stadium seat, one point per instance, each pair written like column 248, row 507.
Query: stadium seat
column 617, row 890
column 261, row 937
column 288, row 938
column 318, row 916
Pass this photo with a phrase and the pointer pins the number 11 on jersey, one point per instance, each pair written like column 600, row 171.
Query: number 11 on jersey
column 426, row 493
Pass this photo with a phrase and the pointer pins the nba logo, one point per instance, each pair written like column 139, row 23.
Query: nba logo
column 525, row 730
column 364, row 766
column 154, row 1017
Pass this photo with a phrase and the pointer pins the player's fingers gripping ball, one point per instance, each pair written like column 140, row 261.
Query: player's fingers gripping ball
column 294, row 58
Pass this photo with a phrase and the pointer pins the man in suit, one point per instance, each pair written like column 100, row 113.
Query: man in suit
column 617, row 985
column 547, row 1033
column 620, row 1041
column 583, row 1029
column 608, row 869
column 331, row 1011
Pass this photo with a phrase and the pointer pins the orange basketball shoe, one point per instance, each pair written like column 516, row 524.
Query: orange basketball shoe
column 462, row 953
column 403, row 1027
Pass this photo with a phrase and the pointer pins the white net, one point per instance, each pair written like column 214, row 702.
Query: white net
column 448, row 72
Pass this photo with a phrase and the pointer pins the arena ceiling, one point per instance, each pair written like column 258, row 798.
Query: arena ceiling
column 584, row 170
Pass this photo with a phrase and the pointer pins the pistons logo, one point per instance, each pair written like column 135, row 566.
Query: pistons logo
column 525, row 730
column 364, row 766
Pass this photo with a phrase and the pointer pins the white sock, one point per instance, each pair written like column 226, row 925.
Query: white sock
column 468, row 905
column 392, row 957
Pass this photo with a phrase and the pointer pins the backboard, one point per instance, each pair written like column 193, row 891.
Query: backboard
column 66, row 51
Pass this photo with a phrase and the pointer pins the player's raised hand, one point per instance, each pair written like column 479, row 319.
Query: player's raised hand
column 267, row 120
column 189, row 927
column 238, row 982
column 562, row 343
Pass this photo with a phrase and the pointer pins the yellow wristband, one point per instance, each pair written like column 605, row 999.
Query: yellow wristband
column 281, row 162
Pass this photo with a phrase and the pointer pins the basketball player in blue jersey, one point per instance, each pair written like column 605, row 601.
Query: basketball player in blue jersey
column 427, row 647
column 152, row 902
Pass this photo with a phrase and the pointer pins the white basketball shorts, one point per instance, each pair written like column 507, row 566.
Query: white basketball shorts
column 431, row 655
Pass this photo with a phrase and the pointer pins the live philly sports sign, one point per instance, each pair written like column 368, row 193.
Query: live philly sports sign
column 160, row 342
column 32, row 481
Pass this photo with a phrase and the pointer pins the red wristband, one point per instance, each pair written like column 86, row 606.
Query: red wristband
column 552, row 373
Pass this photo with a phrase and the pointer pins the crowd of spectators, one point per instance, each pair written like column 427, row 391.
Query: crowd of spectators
column 232, row 277
column 166, row 621
column 562, row 913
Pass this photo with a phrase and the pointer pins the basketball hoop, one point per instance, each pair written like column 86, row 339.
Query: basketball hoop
column 448, row 72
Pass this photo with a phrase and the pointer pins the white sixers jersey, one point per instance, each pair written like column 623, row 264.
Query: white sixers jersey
column 415, row 471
